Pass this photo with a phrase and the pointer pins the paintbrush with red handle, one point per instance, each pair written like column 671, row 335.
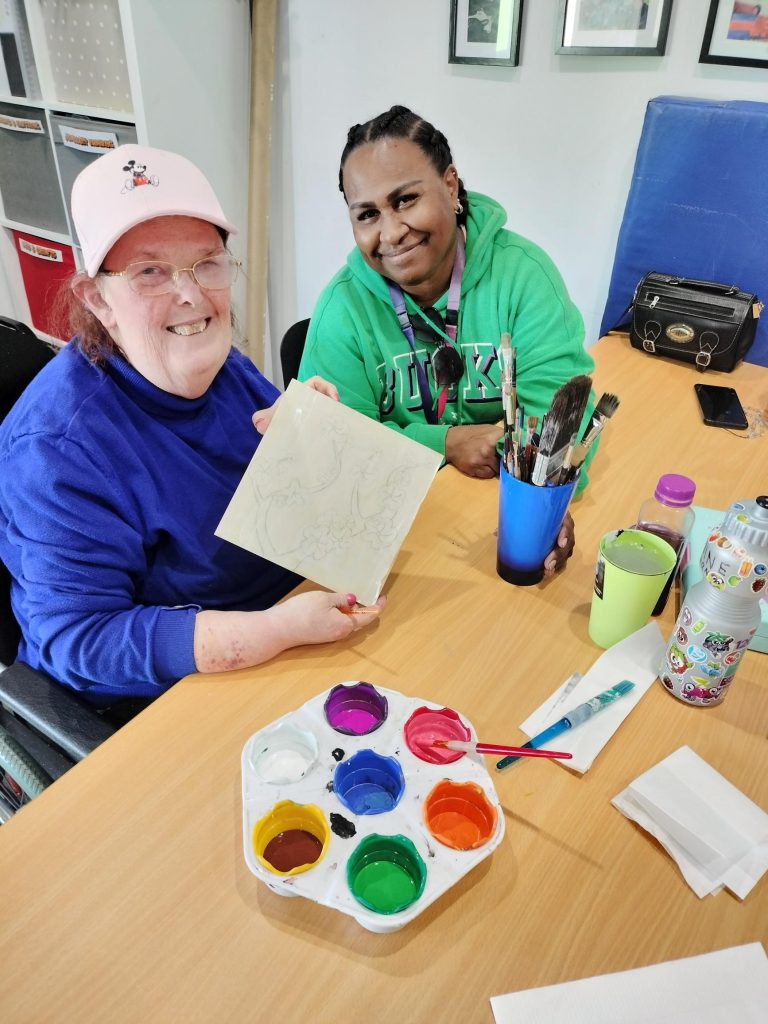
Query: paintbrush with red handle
column 471, row 747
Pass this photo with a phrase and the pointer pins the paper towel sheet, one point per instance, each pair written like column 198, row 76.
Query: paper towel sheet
column 725, row 987
column 716, row 835
column 637, row 658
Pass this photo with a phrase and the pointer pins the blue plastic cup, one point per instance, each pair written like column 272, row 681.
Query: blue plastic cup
column 530, row 518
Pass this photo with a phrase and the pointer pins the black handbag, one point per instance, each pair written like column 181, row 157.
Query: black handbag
column 701, row 322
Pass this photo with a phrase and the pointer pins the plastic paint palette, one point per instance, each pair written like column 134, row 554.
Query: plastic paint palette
column 347, row 803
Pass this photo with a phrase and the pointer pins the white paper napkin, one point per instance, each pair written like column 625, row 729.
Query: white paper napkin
column 716, row 835
column 637, row 658
column 714, row 988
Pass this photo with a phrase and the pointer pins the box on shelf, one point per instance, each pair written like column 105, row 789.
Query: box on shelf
column 28, row 181
column 43, row 265
column 79, row 140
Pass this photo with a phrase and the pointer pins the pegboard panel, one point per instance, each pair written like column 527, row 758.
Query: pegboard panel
column 87, row 53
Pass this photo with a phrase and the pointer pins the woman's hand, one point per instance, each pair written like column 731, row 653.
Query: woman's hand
column 229, row 640
column 563, row 549
column 317, row 617
column 472, row 449
column 323, row 386
column 263, row 417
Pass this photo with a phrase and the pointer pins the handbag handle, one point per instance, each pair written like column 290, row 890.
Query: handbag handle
column 725, row 289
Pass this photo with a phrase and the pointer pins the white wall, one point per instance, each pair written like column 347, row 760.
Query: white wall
column 553, row 140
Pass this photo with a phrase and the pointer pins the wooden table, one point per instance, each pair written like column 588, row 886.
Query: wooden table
column 125, row 895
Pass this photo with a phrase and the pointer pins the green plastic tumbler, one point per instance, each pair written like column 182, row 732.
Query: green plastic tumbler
column 631, row 570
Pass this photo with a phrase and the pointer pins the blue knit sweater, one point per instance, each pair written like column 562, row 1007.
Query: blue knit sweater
column 110, row 490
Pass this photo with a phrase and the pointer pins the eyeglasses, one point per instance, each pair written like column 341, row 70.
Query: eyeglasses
column 447, row 364
column 154, row 277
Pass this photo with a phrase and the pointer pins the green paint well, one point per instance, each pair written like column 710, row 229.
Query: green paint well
column 386, row 873
column 385, row 887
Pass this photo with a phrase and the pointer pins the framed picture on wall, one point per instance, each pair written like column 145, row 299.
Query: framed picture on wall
column 613, row 28
column 736, row 33
column 485, row 32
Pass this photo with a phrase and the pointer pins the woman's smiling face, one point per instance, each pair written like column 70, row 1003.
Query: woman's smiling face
column 403, row 215
column 178, row 341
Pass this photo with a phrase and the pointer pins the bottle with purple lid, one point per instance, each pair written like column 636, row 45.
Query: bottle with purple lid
column 669, row 515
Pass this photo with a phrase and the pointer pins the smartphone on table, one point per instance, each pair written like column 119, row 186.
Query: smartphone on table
column 721, row 407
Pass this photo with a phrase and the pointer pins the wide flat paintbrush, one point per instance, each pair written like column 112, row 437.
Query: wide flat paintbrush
column 604, row 409
column 560, row 423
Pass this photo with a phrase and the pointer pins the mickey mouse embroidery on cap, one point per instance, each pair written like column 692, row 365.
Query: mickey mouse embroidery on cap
column 139, row 176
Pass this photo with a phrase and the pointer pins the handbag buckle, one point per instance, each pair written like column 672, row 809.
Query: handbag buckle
column 703, row 359
column 648, row 345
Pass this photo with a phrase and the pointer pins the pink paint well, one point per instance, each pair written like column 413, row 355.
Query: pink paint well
column 429, row 724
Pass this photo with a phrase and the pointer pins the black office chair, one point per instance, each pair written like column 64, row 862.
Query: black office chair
column 44, row 727
column 291, row 349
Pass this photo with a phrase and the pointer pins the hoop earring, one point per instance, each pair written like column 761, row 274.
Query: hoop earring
column 459, row 208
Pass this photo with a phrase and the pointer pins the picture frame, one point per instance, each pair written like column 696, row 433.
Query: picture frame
column 485, row 32
column 735, row 33
column 621, row 28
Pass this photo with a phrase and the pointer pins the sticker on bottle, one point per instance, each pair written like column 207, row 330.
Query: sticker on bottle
column 718, row 643
column 677, row 660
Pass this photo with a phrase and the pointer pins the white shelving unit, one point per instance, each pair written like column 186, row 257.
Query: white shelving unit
column 173, row 74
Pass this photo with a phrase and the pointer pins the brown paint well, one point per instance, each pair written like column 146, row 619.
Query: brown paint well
column 292, row 848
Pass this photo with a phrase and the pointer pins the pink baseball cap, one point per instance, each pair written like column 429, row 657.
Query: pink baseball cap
column 132, row 184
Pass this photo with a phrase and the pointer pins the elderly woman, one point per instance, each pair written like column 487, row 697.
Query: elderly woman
column 118, row 461
column 408, row 330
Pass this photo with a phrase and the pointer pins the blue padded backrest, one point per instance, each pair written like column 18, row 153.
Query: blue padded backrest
column 698, row 203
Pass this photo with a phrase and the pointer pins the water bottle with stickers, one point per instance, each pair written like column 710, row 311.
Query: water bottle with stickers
column 720, row 614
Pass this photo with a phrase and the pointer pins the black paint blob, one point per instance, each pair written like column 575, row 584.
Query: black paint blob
column 337, row 754
column 341, row 827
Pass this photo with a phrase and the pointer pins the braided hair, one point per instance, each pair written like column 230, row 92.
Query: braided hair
column 401, row 123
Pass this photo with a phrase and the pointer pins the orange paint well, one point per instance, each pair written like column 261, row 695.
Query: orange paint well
column 459, row 815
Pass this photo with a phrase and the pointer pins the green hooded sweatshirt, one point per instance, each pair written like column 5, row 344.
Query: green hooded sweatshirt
column 509, row 285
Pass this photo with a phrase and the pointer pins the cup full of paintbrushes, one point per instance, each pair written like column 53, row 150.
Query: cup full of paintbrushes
column 537, row 479
column 530, row 518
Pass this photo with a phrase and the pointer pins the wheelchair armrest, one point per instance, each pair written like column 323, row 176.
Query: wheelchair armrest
column 53, row 710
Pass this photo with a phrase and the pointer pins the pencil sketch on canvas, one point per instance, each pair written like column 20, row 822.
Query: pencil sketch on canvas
column 329, row 494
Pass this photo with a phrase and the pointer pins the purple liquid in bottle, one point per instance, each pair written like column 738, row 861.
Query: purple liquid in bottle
column 676, row 540
column 669, row 516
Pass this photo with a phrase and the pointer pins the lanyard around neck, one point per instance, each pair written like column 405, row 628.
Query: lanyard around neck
column 397, row 299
